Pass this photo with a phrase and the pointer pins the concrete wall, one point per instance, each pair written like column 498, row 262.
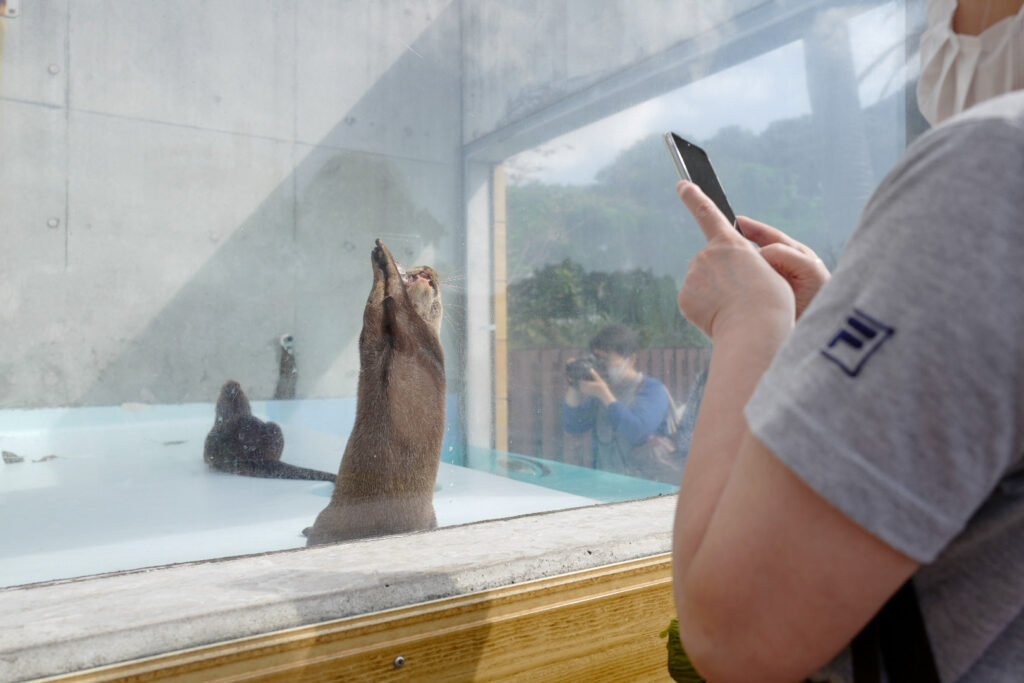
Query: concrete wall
column 185, row 182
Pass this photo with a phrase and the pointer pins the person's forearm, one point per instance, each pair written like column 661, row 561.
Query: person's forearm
column 974, row 16
column 644, row 415
column 739, row 359
column 628, row 424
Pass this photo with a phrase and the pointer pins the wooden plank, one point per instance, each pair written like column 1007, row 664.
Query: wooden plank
column 526, row 402
column 595, row 625
column 551, row 381
column 698, row 361
column 660, row 367
column 643, row 361
column 520, row 406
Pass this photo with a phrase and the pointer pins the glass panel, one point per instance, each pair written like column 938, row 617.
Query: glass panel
column 800, row 131
column 192, row 197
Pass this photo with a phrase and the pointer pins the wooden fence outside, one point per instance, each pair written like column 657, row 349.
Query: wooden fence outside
column 537, row 386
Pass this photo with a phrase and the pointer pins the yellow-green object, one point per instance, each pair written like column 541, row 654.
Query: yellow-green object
column 679, row 666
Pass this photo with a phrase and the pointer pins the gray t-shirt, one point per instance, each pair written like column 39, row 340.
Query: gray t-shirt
column 899, row 397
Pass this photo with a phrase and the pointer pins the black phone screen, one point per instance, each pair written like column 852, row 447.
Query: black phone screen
column 698, row 168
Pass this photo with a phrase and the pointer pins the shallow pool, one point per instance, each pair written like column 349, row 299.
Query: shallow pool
column 125, row 487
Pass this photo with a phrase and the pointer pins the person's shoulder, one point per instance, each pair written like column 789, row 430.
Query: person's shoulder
column 651, row 386
column 1008, row 108
column 982, row 147
column 1000, row 119
column 651, row 383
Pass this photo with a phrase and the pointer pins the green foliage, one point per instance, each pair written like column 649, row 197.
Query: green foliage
column 551, row 223
column 555, row 292
column 680, row 668
column 616, row 250
column 562, row 305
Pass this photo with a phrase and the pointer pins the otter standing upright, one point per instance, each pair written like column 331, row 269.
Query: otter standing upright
column 386, row 481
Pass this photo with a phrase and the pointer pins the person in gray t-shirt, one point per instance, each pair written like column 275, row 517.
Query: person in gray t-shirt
column 874, row 436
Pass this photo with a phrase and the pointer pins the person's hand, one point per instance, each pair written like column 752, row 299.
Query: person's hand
column 597, row 388
column 729, row 285
column 793, row 260
column 573, row 396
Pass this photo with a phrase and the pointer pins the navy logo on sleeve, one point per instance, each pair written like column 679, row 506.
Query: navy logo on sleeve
column 858, row 338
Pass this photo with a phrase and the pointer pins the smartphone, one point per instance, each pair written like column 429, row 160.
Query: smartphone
column 693, row 164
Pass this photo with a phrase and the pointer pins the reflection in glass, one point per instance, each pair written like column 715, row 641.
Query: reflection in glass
column 187, row 207
column 799, row 135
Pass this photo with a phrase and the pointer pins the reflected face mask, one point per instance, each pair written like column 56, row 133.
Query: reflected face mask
column 617, row 371
column 958, row 71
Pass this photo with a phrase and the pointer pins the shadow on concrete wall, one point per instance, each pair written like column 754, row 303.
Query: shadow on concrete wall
column 308, row 276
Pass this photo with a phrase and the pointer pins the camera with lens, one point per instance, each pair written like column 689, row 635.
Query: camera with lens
column 580, row 368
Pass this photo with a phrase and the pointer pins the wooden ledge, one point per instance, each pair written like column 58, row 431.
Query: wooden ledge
column 592, row 625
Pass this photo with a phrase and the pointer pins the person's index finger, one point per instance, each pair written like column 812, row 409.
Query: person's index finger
column 709, row 217
column 763, row 234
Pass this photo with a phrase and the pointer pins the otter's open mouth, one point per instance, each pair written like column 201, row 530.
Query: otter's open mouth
column 416, row 276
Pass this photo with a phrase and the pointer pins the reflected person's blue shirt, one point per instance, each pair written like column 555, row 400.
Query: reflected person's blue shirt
column 645, row 417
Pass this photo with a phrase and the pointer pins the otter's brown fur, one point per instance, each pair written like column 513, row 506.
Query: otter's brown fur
column 386, row 481
column 242, row 444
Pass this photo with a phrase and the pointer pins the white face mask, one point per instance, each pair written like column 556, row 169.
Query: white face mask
column 958, row 71
column 617, row 373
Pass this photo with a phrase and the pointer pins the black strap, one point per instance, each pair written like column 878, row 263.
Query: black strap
column 898, row 633
column 864, row 651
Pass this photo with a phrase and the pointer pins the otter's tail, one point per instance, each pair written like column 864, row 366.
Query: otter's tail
column 282, row 470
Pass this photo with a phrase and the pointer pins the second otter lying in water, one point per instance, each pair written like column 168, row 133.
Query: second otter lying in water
column 386, row 481
column 243, row 444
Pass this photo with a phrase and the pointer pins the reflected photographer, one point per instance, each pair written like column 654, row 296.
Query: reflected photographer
column 630, row 415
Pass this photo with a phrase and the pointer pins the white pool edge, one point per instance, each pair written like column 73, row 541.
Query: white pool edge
column 56, row 628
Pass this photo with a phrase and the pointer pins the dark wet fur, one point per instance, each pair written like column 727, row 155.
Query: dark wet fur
column 242, row 444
